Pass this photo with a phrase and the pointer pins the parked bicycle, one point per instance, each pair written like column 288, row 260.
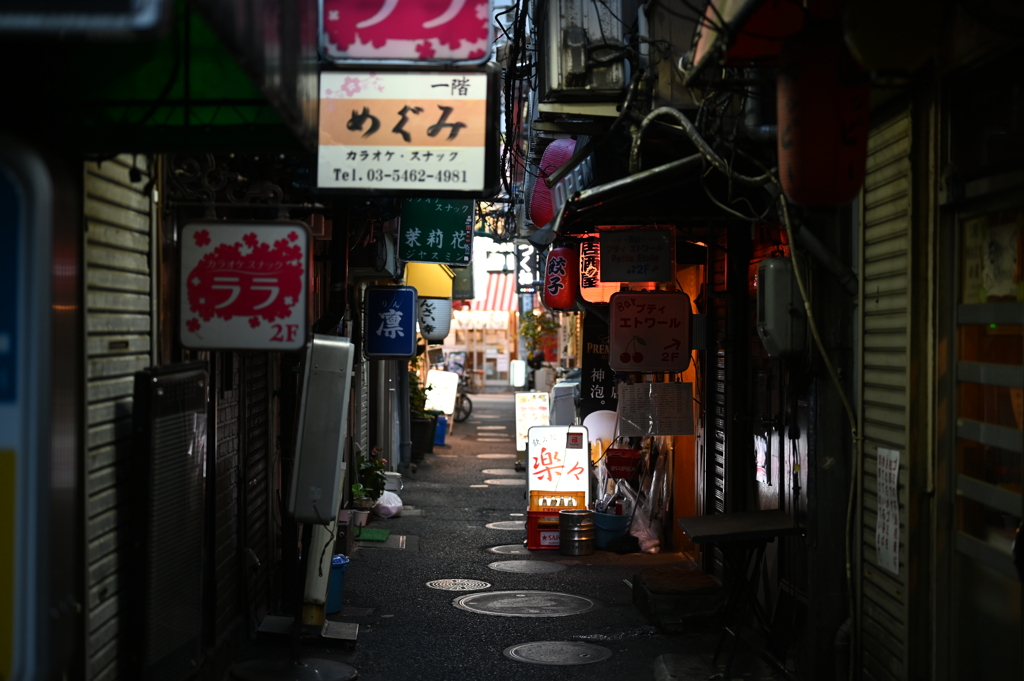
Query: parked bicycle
column 463, row 405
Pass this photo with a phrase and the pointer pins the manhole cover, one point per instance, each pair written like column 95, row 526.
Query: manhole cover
column 458, row 584
column 510, row 550
column 507, row 525
column 524, row 603
column 532, row 567
column 500, row 471
column 495, row 456
column 506, row 481
column 557, row 652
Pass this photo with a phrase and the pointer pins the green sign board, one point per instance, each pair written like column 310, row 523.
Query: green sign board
column 437, row 230
column 462, row 284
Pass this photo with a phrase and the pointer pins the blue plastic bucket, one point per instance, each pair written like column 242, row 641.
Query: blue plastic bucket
column 442, row 430
column 609, row 528
column 336, row 583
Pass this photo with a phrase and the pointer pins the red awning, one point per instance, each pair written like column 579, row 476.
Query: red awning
column 500, row 294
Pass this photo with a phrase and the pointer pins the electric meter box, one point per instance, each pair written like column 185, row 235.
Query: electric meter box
column 781, row 321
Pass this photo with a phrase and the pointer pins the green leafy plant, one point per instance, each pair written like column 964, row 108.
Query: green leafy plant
column 371, row 479
column 535, row 327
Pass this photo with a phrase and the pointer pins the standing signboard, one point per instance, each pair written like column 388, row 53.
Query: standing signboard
column 650, row 331
column 390, row 316
column 437, row 231
column 638, row 255
column 532, row 409
column 422, row 133
column 558, row 468
column 409, row 32
column 597, row 379
column 244, row 286
column 442, row 391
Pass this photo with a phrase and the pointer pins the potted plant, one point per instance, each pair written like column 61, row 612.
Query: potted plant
column 422, row 424
column 534, row 328
column 370, row 480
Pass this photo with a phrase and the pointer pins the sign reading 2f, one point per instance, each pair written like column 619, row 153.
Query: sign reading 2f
column 390, row 315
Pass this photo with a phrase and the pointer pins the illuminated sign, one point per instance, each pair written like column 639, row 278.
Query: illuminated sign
column 558, row 464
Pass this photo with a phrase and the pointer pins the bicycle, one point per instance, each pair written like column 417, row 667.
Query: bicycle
column 463, row 405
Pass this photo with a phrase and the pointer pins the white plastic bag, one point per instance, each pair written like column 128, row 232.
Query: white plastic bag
column 388, row 506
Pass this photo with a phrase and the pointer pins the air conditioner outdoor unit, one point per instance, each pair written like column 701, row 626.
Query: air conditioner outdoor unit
column 375, row 260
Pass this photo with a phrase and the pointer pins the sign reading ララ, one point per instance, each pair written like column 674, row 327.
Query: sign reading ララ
column 390, row 322
column 420, row 133
column 244, row 286
column 650, row 331
column 405, row 31
column 437, row 230
column 638, row 255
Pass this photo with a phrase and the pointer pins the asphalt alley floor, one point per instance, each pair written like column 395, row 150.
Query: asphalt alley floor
column 408, row 631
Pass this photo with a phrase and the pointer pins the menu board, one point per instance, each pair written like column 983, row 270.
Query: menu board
column 638, row 255
column 558, row 461
column 443, row 390
column 647, row 409
column 532, row 409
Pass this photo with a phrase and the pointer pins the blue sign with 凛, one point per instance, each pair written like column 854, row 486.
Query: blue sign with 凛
column 390, row 322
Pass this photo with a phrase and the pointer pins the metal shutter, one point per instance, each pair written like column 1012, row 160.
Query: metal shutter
column 225, row 524
column 884, row 389
column 257, row 483
column 717, row 415
column 119, row 322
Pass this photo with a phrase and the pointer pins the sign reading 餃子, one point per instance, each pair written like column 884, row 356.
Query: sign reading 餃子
column 558, row 465
column 650, row 331
column 437, row 230
column 406, row 31
column 421, row 133
column 390, row 322
column 244, row 286
column 638, row 255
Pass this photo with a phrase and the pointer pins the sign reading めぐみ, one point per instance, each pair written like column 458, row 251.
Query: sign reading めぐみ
column 437, row 230
column 390, row 321
column 650, row 331
column 243, row 286
column 402, row 133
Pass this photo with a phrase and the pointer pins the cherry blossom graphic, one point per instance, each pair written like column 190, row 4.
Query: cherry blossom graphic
column 254, row 322
column 202, row 238
column 351, row 86
column 425, row 50
column 193, row 325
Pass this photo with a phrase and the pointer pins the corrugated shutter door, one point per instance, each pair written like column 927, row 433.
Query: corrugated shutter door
column 118, row 327
column 884, row 394
column 257, row 482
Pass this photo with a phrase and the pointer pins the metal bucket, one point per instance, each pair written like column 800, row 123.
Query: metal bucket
column 576, row 532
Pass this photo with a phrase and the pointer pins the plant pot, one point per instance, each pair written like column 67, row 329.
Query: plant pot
column 422, row 435
column 359, row 517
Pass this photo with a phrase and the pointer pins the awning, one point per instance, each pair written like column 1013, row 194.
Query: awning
column 500, row 294
column 429, row 279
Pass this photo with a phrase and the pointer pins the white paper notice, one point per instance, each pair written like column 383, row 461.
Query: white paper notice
column 887, row 531
column 647, row 409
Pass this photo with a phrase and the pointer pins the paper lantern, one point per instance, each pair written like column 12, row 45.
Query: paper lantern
column 435, row 318
column 542, row 210
column 562, row 279
column 823, row 119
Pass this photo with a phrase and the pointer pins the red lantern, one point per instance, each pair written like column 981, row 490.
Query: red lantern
column 562, row 279
column 554, row 157
column 823, row 120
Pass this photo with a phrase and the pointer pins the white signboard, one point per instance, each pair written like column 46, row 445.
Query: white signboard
column 638, row 255
column 444, row 388
column 531, row 410
column 650, row 331
column 887, row 529
column 558, row 460
column 647, row 409
column 244, row 286
column 401, row 131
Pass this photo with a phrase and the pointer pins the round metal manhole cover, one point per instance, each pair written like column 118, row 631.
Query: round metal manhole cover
column 557, row 652
column 524, row 603
column 507, row 525
column 495, row 456
column 458, row 584
column 530, row 567
column 510, row 550
column 500, row 471
column 506, row 481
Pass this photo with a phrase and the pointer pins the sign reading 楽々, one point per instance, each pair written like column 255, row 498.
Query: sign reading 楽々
column 437, row 230
column 244, row 286
column 558, row 467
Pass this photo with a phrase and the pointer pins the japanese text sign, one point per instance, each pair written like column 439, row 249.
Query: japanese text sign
column 638, row 255
column 532, row 409
column 390, row 322
column 244, row 286
column 597, row 380
column 648, row 409
column 443, row 390
column 437, row 230
column 650, row 331
column 887, row 529
column 558, row 460
column 592, row 288
column 526, row 267
column 405, row 31
column 424, row 133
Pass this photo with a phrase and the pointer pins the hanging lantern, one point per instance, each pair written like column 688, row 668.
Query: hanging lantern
column 435, row 318
column 562, row 279
column 823, row 120
column 542, row 208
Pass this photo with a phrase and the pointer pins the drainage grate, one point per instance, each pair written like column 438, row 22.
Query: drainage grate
column 507, row 525
column 524, row 603
column 557, row 652
column 530, row 567
column 458, row 584
column 495, row 456
column 506, row 481
column 510, row 550
column 500, row 471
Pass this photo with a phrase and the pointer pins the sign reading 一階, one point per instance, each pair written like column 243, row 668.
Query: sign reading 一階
column 405, row 31
column 638, row 255
column 650, row 331
column 390, row 322
column 244, row 286
column 558, row 461
column 887, row 529
column 532, row 409
column 422, row 133
column 437, row 230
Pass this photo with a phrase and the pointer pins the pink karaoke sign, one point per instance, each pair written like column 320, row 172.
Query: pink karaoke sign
column 406, row 31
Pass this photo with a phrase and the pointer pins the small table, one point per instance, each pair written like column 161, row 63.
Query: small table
column 743, row 538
